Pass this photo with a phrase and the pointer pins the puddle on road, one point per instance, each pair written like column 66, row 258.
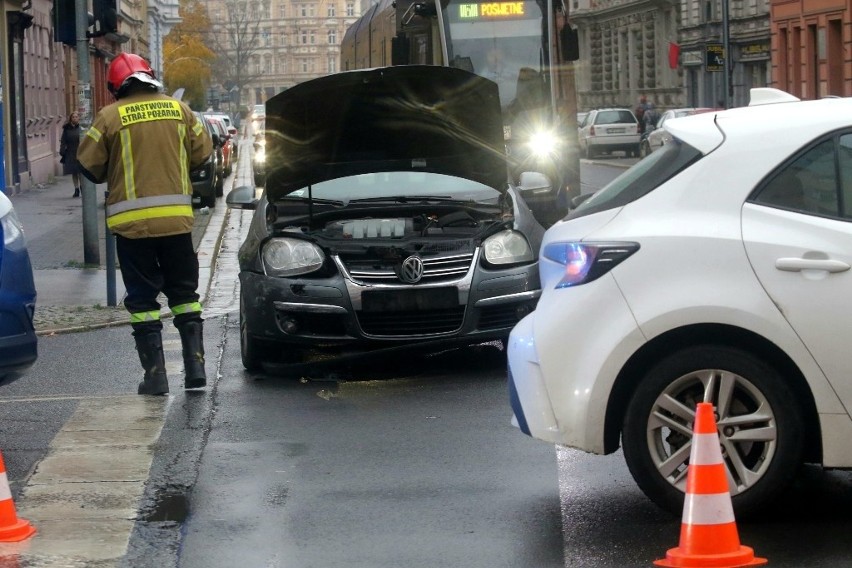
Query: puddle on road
column 169, row 507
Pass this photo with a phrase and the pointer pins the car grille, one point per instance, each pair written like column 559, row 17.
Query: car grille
column 412, row 323
column 435, row 269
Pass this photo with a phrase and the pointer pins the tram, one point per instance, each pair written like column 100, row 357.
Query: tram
column 527, row 47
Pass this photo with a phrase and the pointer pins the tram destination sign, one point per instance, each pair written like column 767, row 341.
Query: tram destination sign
column 492, row 11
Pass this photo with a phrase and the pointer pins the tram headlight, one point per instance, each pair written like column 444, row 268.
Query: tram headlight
column 543, row 144
column 260, row 154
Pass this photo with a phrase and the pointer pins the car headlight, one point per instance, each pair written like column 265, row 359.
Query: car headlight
column 291, row 257
column 260, row 155
column 579, row 263
column 543, row 144
column 507, row 247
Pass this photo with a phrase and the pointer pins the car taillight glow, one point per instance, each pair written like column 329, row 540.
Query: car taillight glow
column 585, row 262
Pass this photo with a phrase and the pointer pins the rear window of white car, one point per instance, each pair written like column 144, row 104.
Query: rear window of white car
column 615, row 117
column 641, row 179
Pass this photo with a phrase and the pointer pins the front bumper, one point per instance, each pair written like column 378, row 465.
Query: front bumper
column 344, row 311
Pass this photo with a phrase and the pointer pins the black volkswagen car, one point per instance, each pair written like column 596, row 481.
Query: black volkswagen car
column 386, row 220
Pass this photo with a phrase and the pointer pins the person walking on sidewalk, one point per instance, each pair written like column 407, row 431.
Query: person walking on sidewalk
column 143, row 146
column 68, row 143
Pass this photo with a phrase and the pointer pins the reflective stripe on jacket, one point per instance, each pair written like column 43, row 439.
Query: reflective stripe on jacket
column 144, row 146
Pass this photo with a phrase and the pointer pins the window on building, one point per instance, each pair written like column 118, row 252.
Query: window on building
column 350, row 9
column 332, row 37
column 304, row 65
column 282, row 10
column 312, row 10
column 304, row 36
column 313, row 37
column 303, row 10
column 263, row 11
column 266, row 37
column 332, row 65
column 331, row 10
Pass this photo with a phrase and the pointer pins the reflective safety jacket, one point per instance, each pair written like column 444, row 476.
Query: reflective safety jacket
column 144, row 146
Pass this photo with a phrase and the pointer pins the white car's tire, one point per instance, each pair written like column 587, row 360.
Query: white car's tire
column 760, row 423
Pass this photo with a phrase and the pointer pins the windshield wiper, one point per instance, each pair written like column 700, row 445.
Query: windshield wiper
column 316, row 200
column 405, row 198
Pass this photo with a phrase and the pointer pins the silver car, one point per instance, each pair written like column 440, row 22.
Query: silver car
column 386, row 221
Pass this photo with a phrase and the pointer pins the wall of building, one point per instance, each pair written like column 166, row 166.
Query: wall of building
column 299, row 41
column 812, row 47
column 44, row 91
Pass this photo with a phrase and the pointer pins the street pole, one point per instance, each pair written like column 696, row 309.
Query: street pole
column 91, row 250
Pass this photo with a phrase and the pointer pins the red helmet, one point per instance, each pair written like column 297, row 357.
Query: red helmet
column 125, row 66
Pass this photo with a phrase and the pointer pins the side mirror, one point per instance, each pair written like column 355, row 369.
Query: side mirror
column 534, row 182
column 242, row 197
column 569, row 41
column 579, row 199
column 216, row 140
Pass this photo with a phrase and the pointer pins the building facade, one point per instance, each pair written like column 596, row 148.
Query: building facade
column 286, row 42
column 812, row 47
column 624, row 53
column 40, row 79
column 672, row 52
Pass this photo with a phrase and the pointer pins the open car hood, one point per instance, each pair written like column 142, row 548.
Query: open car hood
column 403, row 118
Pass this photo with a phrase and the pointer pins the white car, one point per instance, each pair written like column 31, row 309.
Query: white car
column 717, row 269
column 608, row 130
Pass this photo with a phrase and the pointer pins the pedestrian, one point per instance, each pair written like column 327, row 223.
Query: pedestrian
column 650, row 117
column 639, row 111
column 143, row 146
column 68, row 143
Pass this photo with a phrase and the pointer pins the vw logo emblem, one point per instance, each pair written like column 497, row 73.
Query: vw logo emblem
column 411, row 270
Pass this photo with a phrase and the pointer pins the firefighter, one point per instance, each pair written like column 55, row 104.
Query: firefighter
column 143, row 146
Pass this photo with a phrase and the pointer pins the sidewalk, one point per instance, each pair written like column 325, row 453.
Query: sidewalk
column 71, row 297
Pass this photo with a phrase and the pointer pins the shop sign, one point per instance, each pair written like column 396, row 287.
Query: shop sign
column 714, row 57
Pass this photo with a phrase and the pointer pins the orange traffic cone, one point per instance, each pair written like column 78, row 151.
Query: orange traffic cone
column 12, row 529
column 708, row 530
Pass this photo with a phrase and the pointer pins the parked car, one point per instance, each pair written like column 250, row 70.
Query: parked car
column 386, row 221
column 609, row 130
column 717, row 269
column 655, row 138
column 18, row 340
column 224, row 144
column 231, row 130
column 208, row 180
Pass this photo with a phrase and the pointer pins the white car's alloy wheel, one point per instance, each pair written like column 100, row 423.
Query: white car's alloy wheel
column 758, row 419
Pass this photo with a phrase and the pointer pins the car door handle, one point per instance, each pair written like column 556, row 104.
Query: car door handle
column 799, row 264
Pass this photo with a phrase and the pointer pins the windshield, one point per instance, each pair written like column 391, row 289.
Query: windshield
column 396, row 185
column 641, row 179
column 503, row 42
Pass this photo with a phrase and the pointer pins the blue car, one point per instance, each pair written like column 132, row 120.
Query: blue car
column 18, row 341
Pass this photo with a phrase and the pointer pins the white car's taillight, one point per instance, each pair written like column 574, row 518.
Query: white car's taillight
column 584, row 262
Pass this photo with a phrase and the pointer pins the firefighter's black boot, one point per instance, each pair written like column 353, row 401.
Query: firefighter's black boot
column 192, row 341
column 150, row 348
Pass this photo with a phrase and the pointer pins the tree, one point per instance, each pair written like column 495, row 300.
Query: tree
column 187, row 59
column 237, row 40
